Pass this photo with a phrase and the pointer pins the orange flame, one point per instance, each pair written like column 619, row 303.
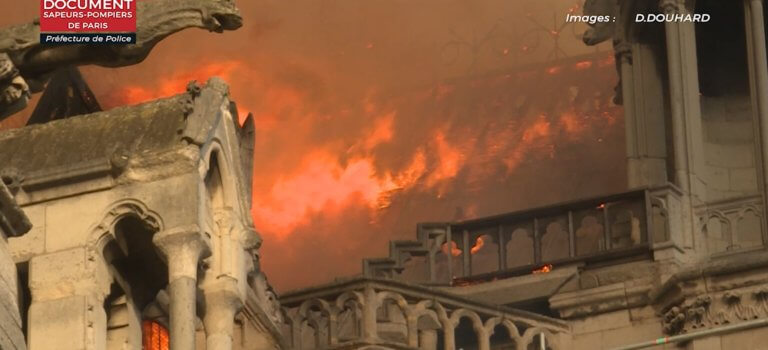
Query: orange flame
column 544, row 269
column 454, row 251
column 327, row 175
column 479, row 243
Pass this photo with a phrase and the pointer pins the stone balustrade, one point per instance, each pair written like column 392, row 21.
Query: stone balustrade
column 390, row 314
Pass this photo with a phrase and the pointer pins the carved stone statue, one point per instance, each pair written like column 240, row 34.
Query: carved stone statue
column 26, row 65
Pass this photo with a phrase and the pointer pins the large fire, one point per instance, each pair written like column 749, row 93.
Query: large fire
column 389, row 149
column 362, row 130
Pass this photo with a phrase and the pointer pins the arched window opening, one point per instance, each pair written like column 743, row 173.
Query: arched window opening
column 540, row 342
column 154, row 336
column 349, row 321
column 392, row 324
column 214, row 183
column 465, row 335
column 139, row 274
column 501, row 339
column 135, row 262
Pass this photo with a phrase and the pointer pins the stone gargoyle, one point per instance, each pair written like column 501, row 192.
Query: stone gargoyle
column 26, row 64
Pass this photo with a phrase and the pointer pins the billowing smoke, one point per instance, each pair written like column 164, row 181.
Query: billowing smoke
column 375, row 115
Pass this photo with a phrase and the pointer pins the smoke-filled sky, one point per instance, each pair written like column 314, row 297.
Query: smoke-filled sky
column 375, row 115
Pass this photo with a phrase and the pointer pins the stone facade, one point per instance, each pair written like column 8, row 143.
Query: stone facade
column 679, row 258
column 13, row 223
column 141, row 214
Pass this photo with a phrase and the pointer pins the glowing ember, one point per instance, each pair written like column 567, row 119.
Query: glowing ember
column 554, row 70
column 583, row 65
column 544, row 269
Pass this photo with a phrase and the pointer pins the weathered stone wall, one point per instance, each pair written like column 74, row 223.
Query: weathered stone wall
column 729, row 141
column 11, row 336
column 13, row 222
column 617, row 328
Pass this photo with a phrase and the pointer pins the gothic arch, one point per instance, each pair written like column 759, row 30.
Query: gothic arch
column 104, row 231
column 215, row 162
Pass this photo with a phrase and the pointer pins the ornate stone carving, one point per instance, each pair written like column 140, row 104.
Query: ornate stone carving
column 707, row 311
column 14, row 91
column 156, row 20
column 392, row 314
column 267, row 298
column 102, row 232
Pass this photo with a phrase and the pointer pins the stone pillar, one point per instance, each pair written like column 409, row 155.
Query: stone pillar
column 634, row 163
column 449, row 335
column 222, row 304
column 428, row 339
column 687, row 137
column 369, row 324
column 483, row 339
column 68, row 290
column 183, row 247
column 759, row 70
column 643, row 96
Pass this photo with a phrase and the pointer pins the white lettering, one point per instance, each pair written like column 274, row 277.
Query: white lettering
column 88, row 5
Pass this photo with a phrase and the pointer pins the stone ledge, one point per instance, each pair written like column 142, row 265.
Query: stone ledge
column 599, row 300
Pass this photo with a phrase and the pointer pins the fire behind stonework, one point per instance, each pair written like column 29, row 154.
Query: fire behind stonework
column 373, row 116
column 364, row 165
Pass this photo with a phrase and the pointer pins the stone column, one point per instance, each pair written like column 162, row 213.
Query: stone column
column 687, row 136
column 68, row 290
column 428, row 339
column 222, row 303
column 634, row 162
column 449, row 335
column 759, row 69
column 483, row 339
column 183, row 247
column 370, row 331
column 642, row 89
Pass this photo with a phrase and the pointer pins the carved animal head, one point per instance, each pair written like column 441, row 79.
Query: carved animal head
column 222, row 15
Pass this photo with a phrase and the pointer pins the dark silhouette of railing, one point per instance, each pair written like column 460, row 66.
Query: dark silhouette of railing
column 530, row 241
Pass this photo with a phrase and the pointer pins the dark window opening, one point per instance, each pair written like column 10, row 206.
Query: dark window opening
column 721, row 46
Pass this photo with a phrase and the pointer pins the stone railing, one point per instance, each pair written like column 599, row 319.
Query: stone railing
column 510, row 244
column 390, row 314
